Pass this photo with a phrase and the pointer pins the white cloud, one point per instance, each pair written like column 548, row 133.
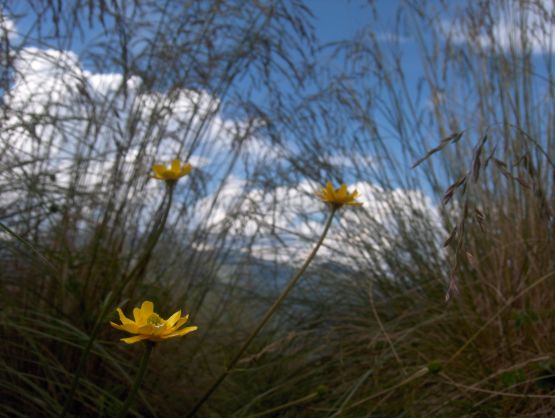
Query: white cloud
column 68, row 128
column 393, row 38
column 519, row 26
column 294, row 217
column 351, row 160
column 7, row 28
column 59, row 112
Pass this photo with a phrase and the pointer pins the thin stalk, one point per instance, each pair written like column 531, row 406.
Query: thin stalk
column 138, row 380
column 141, row 264
column 507, row 304
column 296, row 402
column 45, row 261
column 143, row 261
column 416, row 375
column 266, row 317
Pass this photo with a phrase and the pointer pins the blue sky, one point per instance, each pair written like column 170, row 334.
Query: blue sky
column 334, row 20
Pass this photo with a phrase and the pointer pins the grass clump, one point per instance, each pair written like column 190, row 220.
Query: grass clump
column 433, row 299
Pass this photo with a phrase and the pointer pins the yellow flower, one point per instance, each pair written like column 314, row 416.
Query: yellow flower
column 338, row 197
column 148, row 325
column 172, row 173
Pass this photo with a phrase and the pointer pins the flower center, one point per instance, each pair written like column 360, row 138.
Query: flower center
column 155, row 320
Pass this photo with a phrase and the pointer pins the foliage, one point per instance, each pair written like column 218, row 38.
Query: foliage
column 243, row 91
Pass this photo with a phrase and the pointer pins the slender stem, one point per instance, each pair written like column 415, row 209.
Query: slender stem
column 416, row 375
column 153, row 240
column 266, row 317
column 304, row 399
column 507, row 304
column 138, row 380
column 141, row 264
column 42, row 258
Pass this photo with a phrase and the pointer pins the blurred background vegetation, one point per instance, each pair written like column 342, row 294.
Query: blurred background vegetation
column 94, row 93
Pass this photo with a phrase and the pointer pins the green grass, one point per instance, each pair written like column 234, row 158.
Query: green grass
column 367, row 332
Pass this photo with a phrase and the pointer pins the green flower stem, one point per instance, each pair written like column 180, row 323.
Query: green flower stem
column 266, row 317
column 141, row 264
column 149, row 345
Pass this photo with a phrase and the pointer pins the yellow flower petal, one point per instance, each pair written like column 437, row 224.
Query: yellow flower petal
column 137, row 315
column 171, row 174
column 338, row 197
column 135, row 339
column 123, row 319
column 148, row 325
column 342, row 190
column 125, row 328
column 329, row 189
column 170, row 322
column 151, row 330
column 159, row 169
column 181, row 322
column 147, row 308
column 186, row 169
column 180, row 333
